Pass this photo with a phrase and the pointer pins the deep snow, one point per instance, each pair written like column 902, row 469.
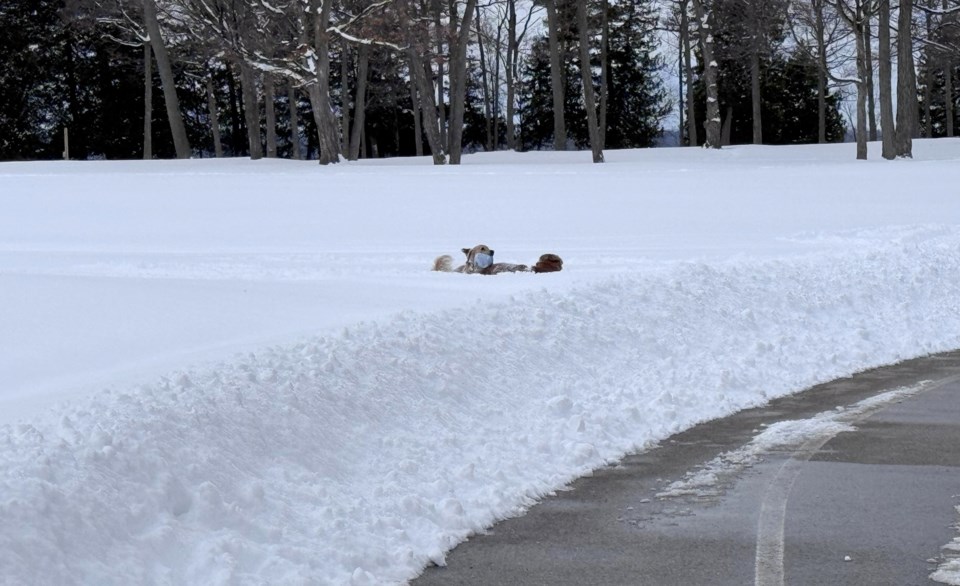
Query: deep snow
column 265, row 382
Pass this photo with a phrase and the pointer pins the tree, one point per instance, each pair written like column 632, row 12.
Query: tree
column 589, row 99
column 702, row 9
column 906, row 82
column 556, row 76
column 458, row 78
column 888, row 147
column 637, row 100
column 152, row 25
column 854, row 13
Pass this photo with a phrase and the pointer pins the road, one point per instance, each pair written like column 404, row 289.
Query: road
column 867, row 500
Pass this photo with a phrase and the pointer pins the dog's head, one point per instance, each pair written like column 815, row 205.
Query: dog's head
column 548, row 263
column 478, row 258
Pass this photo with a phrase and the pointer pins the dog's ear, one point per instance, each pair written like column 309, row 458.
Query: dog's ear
column 466, row 251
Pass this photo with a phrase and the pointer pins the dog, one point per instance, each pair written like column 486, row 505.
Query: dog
column 480, row 261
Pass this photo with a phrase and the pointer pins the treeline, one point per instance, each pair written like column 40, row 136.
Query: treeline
column 332, row 79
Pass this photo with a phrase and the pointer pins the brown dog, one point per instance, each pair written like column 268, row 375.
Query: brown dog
column 480, row 260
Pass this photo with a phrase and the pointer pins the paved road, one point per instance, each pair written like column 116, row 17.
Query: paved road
column 866, row 507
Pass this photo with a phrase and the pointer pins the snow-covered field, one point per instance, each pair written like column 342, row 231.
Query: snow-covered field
column 235, row 372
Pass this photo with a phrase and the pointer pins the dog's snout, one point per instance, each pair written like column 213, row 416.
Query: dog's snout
column 491, row 252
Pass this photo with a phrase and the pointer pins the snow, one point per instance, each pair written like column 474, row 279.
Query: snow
column 948, row 571
column 244, row 372
column 709, row 479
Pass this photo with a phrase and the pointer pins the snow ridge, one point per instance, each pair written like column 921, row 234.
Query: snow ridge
column 361, row 457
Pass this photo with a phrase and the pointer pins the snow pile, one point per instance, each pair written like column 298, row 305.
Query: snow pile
column 361, row 456
column 949, row 570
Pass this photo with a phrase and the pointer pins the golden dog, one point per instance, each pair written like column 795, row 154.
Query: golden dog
column 480, row 261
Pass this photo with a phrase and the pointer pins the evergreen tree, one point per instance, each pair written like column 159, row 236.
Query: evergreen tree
column 534, row 100
column 938, row 111
column 31, row 79
column 788, row 85
column 637, row 99
column 791, row 116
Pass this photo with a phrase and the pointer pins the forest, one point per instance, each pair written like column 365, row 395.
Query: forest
column 333, row 80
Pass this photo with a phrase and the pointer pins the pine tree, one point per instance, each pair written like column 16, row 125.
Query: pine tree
column 788, row 84
column 637, row 99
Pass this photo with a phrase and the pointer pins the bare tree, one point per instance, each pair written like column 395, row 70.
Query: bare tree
column 179, row 131
column 270, row 113
column 360, row 102
column 604, row 69
column 293, row 103
column 889, row 150
column 815, row 25
column 137, row 23
column 855, row 12
column 867, row 32
column 684, row 7
column 589, row 97
column 421, row 73
column 907, row 107
column 485, row 75
column 214, row 115
column 458, row 81
column 515, row 37
column 147, row 102
column 556, row 76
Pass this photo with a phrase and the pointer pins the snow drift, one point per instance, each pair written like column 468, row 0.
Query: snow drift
column 362, row 453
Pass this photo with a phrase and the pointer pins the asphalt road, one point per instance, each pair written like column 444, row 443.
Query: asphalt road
column 871, row 506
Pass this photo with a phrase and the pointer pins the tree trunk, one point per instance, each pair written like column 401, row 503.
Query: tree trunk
column 270, row 113
column 692, row 138
column 513, row 51
column 422, row 71
column 906, row 82
column 440, row 102
column 605, row 71
column 214, row 117
column 556, row 77
column 360, row 101
column 871, row 98
column 755, row 97
column 726, row 127
column 485, row 86
column 147, row 102
column 861, row 88
column 948, row 95
column 327, row 131
column 177, row 129
column 889, row 149
column 415, row 110
column 251, row 110
column 458, row 84
column 948, row 85
column 589, row 98
column 292, row 102
column 237, row 126
column 496, row 87
column 345, row 97
column 820, row 31
column 712, row 123
column 928, row 81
